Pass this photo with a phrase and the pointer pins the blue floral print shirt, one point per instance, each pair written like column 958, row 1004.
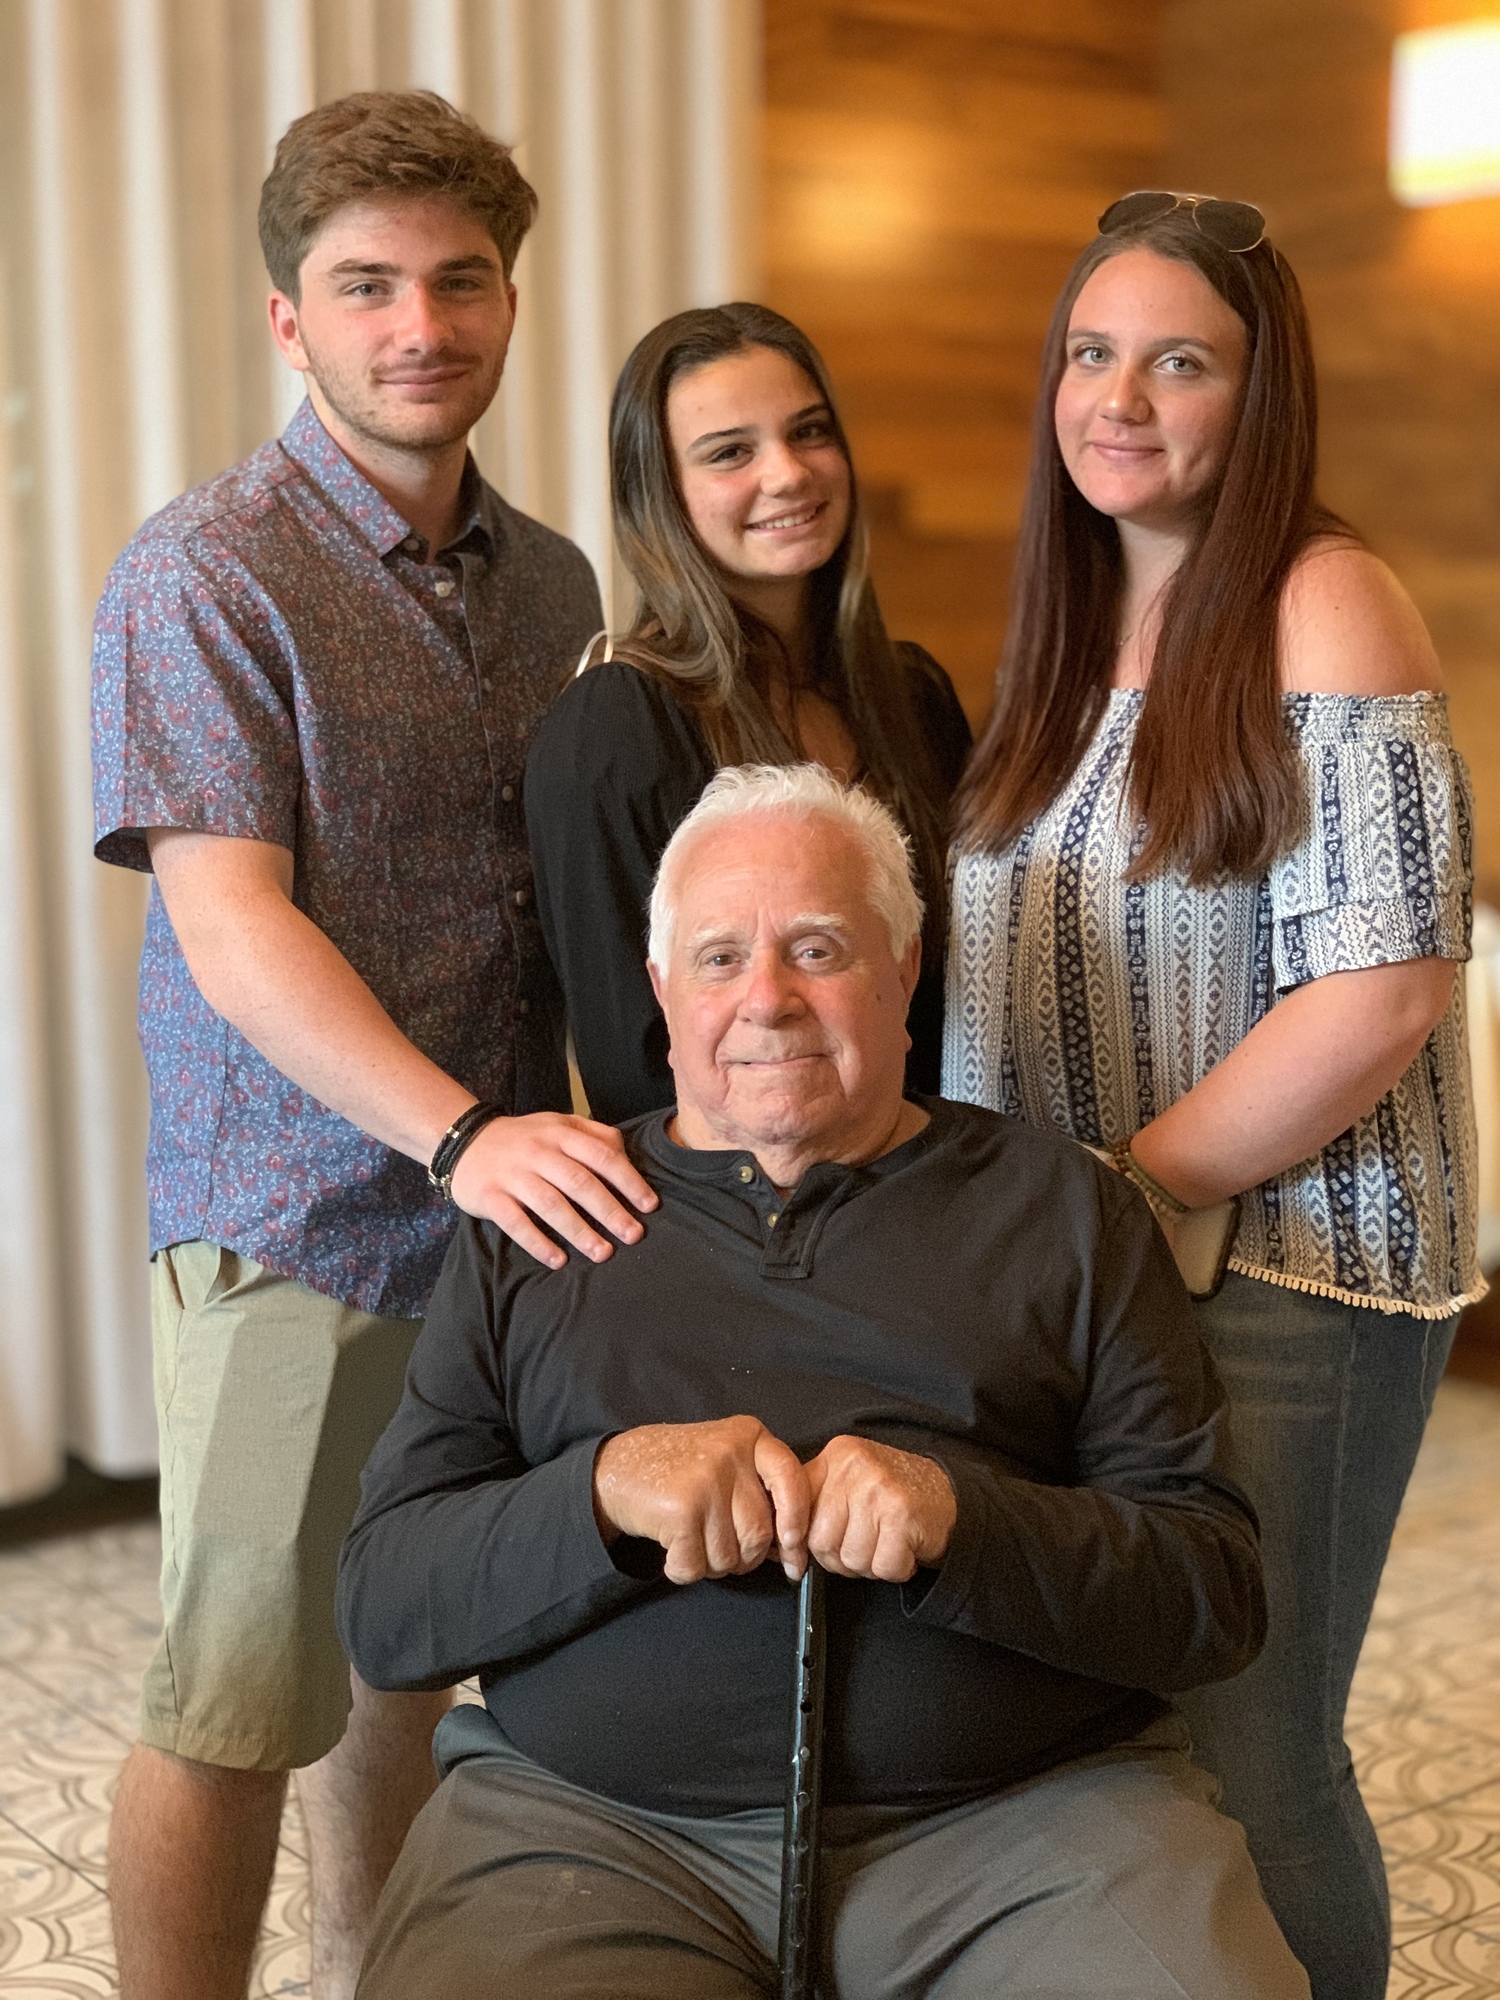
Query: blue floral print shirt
column 278, row 657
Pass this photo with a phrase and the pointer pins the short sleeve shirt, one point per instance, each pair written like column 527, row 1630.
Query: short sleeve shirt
column 278, row 657
column 1082, row 999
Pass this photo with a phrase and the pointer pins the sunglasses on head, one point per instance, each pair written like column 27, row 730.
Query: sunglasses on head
column 1232, row 225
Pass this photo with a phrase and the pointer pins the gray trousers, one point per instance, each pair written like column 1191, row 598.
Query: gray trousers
column 1112, row 1877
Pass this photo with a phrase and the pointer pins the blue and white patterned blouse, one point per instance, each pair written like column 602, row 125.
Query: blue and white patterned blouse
column 1080, row 1000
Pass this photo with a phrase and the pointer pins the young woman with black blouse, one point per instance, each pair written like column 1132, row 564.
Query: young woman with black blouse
column 757, row 640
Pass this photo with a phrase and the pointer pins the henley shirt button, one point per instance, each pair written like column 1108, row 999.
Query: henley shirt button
column 772, row 1220
column 445, row 588
column 521, row 898
column 411, row 545
column 507, row 792
column 486, row 685
column 523, row 1006
column 747, row 1173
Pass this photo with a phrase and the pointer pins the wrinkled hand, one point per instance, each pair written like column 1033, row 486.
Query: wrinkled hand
column 878, row 1512
column 545, row 1163
column 719, row 1497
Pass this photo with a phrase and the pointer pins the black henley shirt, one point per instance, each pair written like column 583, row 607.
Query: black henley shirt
column 985, row 1294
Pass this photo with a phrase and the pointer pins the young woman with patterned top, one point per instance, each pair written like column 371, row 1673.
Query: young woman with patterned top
column 1211, row 879
column 757, row 640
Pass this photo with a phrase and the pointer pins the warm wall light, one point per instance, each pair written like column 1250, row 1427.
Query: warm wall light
column 1445, row 114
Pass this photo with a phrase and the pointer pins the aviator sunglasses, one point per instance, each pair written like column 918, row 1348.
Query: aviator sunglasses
column 1232, row 225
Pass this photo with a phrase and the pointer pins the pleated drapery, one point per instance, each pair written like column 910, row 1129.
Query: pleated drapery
column 134, row 361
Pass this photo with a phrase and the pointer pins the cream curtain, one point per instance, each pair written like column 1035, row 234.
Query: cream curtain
column 134, row 361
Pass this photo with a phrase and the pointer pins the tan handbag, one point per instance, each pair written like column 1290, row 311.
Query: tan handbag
column 1200, row 1239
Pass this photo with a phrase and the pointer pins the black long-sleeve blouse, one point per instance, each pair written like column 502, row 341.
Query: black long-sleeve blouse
column 618, row 762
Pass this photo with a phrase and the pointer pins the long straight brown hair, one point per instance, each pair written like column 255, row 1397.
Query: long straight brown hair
column 714, row 654
column 1212, row 774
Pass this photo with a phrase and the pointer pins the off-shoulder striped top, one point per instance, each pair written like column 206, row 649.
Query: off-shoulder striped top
column 1083, row 1001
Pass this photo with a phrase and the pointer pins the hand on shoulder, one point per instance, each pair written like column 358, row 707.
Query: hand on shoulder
column 1348, row 627
column 518, row 1169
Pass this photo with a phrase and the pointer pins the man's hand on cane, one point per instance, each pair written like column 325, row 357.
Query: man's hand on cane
column 878, row 1512
column 720, row 1497
column 723, row 1497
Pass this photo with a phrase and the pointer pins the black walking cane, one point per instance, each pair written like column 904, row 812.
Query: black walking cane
column 797, row 1949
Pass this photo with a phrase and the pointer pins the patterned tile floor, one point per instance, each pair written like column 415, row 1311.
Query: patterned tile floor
column 78, row 1618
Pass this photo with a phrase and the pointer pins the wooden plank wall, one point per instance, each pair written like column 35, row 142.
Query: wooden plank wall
column 932, row 168
column 1285, row 101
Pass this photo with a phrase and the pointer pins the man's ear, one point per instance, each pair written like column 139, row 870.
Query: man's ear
column 286, row 333
column 911, row 966
column 656, row 985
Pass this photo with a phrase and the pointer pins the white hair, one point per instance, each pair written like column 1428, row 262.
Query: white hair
column 797, row 791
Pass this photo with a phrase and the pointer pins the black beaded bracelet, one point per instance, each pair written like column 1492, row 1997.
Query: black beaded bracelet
column 455, row 1143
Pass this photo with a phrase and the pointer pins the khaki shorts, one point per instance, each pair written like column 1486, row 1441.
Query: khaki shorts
column 269, row 1399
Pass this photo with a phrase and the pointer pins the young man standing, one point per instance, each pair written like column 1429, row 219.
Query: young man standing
column 316, row 679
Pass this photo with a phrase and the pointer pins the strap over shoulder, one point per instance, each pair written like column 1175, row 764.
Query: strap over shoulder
column 587, row 658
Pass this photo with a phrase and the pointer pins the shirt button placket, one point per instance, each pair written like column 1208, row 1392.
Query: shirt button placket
column 779, row 1249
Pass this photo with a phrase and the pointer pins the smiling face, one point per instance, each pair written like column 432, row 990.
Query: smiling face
column 764, row 480
column 1151, row 390
column 403, row 322
column 785, row 1004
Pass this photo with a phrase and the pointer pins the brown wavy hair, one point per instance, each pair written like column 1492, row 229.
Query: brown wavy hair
column 1213, row 774
column 715, row 655
column 376, row 143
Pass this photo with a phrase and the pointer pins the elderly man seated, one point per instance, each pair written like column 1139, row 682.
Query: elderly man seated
column 943, row 1355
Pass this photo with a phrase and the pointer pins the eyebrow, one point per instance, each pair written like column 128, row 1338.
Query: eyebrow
column 743, row 430
column 1172, row 340
column 374, row 268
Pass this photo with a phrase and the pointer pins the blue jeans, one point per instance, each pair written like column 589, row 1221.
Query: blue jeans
column 1327, row 1407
